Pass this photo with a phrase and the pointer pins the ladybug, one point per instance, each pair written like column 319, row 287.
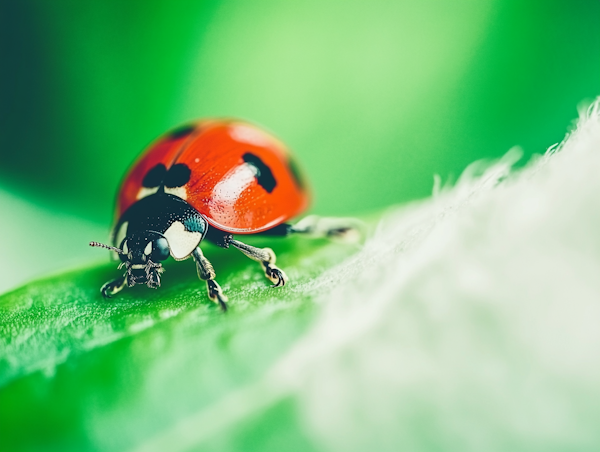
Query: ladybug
column 208, row 180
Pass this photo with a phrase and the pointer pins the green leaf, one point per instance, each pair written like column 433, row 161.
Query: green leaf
column 78, row 372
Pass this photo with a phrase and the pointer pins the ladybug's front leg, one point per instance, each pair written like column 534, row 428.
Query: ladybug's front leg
column 112, row 287
column 266, row 257
column 207, row 273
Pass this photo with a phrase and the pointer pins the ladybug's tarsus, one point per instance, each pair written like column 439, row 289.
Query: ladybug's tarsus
column 113, row 287
column 216, row 295
column 206, row 272
column 276, row 275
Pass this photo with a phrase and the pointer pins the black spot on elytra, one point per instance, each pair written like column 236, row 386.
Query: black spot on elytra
column 177, row 176
column 264, row 175
column 155, row 176
column 181, row 132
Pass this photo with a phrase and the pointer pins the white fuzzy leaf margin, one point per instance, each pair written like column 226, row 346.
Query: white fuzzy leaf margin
column 468, row 322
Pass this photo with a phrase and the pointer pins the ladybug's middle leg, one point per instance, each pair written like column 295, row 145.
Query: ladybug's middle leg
column 266, row 257
column 206, row 272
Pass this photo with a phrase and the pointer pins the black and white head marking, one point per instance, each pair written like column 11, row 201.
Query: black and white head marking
column 151, row 230
column 141, row 254
column 181, row 224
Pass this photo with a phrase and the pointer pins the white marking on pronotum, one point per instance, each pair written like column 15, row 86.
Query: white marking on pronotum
column 119, row 236
column 181, row 192
column 145, row 191
column 181, row 242
column 148, row 249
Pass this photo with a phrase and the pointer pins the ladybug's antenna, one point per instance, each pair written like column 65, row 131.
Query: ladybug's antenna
column 102, row 245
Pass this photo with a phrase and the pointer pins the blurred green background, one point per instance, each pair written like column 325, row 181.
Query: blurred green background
column 375, row 97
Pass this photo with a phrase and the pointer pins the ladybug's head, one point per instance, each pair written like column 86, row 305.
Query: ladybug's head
column 142, row 254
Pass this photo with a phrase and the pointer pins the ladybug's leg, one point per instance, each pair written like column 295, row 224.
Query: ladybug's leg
column 345, row 229
column 207, row 273
column 112, row 287
column 266, row 257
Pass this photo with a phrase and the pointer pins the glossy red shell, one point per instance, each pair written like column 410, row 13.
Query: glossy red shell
column 222, row 186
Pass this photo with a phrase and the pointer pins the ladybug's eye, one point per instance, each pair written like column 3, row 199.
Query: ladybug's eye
column 160, row 249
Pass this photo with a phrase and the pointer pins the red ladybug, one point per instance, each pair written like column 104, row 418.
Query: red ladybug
column 207, row 180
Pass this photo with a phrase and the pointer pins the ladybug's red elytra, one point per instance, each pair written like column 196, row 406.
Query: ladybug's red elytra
column 209, row 180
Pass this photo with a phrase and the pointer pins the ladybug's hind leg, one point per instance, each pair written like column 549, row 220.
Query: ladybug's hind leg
column 345, row 229
column 266, row 257
column 348, row 230
column 206, row 272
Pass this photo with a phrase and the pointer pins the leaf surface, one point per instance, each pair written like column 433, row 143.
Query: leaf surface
column 78, row 372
